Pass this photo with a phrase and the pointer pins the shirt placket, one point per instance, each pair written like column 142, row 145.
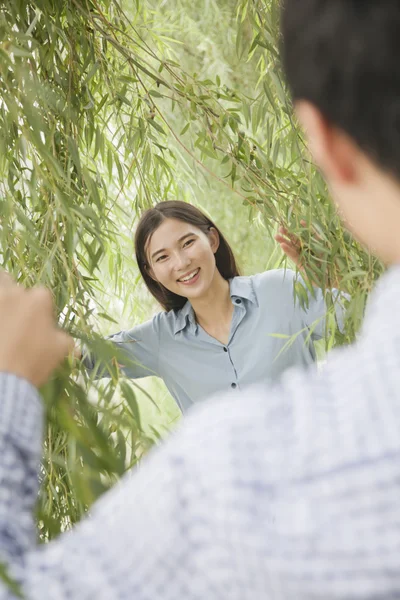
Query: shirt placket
column 237, row 317
column 238, row 314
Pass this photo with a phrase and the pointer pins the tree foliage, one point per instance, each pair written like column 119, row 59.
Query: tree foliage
column 107, row 107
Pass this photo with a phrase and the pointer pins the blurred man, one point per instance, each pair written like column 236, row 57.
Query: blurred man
column 291, row 492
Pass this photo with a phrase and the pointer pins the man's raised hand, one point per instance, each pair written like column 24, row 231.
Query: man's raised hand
column 31, row 343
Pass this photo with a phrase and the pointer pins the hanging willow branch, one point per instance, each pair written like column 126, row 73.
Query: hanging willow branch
column 103, row 112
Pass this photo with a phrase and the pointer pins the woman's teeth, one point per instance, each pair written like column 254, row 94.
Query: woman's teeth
column 189, row 277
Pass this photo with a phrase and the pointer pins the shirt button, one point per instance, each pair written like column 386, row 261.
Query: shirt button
column 233, row 385
column 225, row 349
column 238, row 301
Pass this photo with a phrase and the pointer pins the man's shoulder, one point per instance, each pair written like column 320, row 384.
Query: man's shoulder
column 226, row 436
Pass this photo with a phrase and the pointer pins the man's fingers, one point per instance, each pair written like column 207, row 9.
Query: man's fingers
column 42, row 298
column 64, row 345
column 77, row 351
column 32, row 345
column 6, row 280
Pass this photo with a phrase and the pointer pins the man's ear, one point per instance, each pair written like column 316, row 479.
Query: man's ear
column 333, row 151
column 213, row 237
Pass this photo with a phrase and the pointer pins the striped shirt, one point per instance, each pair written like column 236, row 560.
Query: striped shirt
column 297, row 498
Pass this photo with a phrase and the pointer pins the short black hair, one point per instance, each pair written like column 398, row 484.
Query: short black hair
column 343, row 56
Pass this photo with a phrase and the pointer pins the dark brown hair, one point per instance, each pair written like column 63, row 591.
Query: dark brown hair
column 343, row 57
column 182, row 211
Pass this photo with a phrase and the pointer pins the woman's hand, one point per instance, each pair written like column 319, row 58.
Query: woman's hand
column 292, row 246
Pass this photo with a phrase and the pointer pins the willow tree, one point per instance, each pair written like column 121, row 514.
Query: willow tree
column 105, row 110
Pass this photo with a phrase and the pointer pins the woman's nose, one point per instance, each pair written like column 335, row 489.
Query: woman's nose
column 181, row 261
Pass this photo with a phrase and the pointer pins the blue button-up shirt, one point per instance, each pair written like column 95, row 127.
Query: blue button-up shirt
column 270, row 332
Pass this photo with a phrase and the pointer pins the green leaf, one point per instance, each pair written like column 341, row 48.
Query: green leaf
column 156, row 126
column 184, row 130
column 9, row 582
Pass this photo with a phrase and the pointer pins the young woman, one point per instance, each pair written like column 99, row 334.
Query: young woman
column 218, row 330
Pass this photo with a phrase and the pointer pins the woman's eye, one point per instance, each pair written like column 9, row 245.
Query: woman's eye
column 188, row 243
column 161, row 257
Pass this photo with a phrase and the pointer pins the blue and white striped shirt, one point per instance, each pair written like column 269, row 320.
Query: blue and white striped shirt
column 297, row 498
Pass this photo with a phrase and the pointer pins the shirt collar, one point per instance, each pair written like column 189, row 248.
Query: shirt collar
column 241, row 288
column 184, row 316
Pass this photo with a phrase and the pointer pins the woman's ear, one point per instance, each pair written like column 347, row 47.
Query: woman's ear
column 213, row 237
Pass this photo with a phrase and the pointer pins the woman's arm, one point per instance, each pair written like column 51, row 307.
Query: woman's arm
column 314, row 305
column 135, row 351
column 292, row 246
column 315, row 309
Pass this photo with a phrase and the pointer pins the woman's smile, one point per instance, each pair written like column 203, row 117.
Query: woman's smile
column 190, row 278
column 182, row 258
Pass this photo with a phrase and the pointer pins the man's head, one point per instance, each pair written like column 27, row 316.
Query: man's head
column 341, row 60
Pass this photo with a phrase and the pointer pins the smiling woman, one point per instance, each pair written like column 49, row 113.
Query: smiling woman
column 175, row 239
column 218, row 329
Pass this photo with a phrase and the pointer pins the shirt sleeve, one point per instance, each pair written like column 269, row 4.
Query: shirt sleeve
column 137, row 543
column 137, row 352
column 21, row 424
column 125, row 549
column 315, row 309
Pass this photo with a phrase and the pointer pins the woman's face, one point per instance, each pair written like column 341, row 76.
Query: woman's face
column 181, row 258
